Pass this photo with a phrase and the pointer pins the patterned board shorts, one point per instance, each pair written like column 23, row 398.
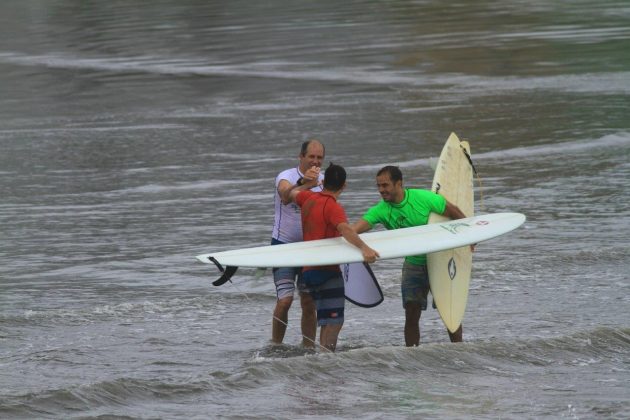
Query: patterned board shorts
column 286, row 279
column 415, row 285
column 329, row 299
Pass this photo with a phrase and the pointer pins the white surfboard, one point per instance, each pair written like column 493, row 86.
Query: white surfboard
column 389, row 244
column 449, row 271
column 360, row 285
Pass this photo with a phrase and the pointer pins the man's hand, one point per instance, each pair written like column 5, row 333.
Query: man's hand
column 369, row 255
column 311, row 177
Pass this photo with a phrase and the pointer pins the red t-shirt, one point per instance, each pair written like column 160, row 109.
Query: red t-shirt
column 320, row 216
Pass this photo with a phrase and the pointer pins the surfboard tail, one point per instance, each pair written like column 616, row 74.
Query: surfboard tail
column 360, row 285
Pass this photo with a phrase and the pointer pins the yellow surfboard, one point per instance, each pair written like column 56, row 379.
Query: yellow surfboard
column 449, row 271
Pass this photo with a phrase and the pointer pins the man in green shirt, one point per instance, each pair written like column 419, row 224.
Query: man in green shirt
column 401, row 208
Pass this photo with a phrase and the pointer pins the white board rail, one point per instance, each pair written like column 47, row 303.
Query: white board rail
column 389, row 244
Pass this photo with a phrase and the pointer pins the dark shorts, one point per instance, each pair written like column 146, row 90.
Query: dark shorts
column 286, row 278
column 329, row 298
column 415, row 285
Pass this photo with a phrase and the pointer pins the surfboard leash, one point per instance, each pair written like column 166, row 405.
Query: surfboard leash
column 286, row 324
column 228, row 272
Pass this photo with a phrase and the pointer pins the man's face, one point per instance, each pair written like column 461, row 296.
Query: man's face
column 314, row 156
column 389, row 191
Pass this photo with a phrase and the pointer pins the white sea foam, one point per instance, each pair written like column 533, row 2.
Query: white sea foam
column 611, row 82
column 70, row 129
column 566, row 148
column 579, row 146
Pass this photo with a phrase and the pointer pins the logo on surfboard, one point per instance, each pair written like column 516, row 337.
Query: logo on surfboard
column 452, row 268
column 454, row 227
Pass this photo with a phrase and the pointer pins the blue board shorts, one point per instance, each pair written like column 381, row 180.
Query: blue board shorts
column 415, row 285
column 329, row 297
column 286, row 278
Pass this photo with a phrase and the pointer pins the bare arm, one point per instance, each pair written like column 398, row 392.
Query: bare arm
column 361, row 226
column 453, row 212
column 369, row 255
column 286, row 189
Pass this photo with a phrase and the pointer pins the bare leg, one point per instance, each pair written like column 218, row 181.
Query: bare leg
column 328, row 336
column 280, row 319
column 412, row 324
column 309, row 320
column 457, row 336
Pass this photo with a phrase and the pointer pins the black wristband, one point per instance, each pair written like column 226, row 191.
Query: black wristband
column 300, row 182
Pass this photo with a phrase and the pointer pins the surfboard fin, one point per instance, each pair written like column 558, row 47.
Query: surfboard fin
column 228, row 272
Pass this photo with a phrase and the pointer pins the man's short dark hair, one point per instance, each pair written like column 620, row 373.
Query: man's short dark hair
column 394, row 173
column 334, row 177
column 307, row 143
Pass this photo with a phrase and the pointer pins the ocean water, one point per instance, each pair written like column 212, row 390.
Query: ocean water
column 136, row 135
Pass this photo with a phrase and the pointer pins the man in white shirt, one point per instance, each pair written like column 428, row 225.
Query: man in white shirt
column 287, row 229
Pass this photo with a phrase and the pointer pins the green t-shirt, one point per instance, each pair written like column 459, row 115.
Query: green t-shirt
column 414, row 210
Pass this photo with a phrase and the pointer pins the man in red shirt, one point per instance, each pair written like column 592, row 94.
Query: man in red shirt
column 323, row 217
